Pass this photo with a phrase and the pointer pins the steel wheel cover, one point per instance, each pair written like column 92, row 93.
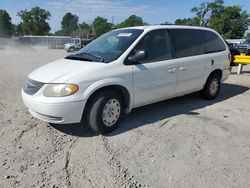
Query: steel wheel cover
column 214, row 87
column 111, row 112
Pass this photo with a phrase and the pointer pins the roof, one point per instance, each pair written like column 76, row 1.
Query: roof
column 152, row 27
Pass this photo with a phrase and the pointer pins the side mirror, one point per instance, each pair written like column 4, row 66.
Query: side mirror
column 139, row 55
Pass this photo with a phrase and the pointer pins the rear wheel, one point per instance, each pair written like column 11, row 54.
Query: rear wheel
column 212, row 87
column 104, row 111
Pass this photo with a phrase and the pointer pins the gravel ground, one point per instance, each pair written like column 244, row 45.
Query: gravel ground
column 182, row 142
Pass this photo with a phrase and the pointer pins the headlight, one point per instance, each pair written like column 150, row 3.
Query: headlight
column 60, row 90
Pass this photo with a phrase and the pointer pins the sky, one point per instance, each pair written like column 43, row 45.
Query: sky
column 152, row 12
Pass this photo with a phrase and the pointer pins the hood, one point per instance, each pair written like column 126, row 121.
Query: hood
column 69, row 44
column 62, row 70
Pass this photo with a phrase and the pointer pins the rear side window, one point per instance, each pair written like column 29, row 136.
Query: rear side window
column 212, row 42
column 187, row 42
column 157, row 45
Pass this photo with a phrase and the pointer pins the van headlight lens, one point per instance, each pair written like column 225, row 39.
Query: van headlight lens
column 60, row 90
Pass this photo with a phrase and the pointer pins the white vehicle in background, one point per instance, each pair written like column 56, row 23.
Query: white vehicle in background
column 74, row 45
column 77, row 43
column 125, row 69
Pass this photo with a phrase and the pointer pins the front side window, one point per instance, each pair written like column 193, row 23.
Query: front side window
column 108, row 47
column 157, row 46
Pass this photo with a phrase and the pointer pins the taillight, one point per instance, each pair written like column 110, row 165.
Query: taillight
column 230, row 57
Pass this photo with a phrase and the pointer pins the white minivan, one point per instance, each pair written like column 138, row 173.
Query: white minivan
column 125, row 69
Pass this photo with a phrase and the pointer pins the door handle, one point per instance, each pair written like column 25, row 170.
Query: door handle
column 183, row 68
column 172, row 70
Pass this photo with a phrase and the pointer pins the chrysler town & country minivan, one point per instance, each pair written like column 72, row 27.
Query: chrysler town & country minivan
column 125, row 69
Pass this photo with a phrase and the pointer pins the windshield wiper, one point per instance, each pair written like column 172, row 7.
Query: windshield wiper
column 80, row 58
column 99, row 58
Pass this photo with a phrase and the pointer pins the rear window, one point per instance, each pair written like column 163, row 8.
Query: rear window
column 212, row 42
column 187, row 42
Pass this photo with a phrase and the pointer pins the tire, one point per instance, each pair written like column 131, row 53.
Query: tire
column 71, row 49
column 212, row 87
column 104, row 111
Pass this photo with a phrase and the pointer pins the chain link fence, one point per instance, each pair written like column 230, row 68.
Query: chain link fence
column 52, row 42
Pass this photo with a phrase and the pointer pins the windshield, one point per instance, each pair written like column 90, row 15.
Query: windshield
column 246, row 42
column 108, row 47
column 74, row 41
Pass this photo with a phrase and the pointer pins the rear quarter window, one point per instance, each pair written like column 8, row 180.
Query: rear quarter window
column 212, row 42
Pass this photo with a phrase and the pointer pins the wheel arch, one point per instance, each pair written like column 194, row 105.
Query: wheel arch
column 119, row 88
column 206, row 92
column 215, row 71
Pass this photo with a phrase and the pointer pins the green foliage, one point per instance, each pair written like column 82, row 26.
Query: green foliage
column 34, row 22
column 84, row 25
column 84, row 31
column 188, row 21
column 19, row 30
column 101, row 26
column 5, row 24
column 205, row 10
column 131, row 21
column 166, row 23
column 232, row 22
column 13, row 28
column 229, row 21
column 69, row 24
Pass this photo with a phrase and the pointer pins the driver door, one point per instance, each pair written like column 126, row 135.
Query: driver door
column 155, row 76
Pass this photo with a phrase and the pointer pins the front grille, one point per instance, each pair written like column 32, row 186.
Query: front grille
column 31, row 86
column 243, row 49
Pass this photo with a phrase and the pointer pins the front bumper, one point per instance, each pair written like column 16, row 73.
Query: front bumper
column 66, row 48
column 59, row 113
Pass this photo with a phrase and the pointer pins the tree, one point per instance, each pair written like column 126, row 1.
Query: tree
column 166, row 23
column 229, row 21
column 84, row 25
column 101, row 26
column 131, row 21
column 34, row 22
column 206, row 10
column 232, row 22
column 203, row 14
column 5, row 24
column 84, row 31
column 19, row 30
column 69, row 24
column 188, row 21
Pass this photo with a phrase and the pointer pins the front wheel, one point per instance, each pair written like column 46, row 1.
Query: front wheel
column 71, row 49
column 212, row 87
column 104, row 111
